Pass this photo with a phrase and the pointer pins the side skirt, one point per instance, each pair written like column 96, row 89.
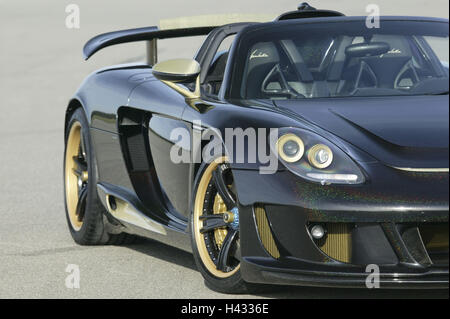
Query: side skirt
column 124, row 210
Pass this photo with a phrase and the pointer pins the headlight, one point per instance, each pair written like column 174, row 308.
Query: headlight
column 324, row 162
column 290, row 148
column 320, row 156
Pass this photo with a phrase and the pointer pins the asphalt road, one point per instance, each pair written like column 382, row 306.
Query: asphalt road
column 40, row 68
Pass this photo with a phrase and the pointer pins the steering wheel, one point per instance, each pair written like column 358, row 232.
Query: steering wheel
column 285, row 89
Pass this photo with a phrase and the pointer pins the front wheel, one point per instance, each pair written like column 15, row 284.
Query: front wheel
column 215, row 228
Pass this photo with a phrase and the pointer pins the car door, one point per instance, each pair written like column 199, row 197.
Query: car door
column 168, row 179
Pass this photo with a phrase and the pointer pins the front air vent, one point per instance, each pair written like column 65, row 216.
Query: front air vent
column 337, row 243
column 265, row 233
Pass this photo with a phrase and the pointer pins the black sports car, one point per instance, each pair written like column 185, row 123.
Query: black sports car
column 311, row 148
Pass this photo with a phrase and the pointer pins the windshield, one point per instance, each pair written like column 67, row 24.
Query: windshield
column 341, row 59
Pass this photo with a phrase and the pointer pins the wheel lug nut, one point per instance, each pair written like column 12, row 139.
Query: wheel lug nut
column 228, row 217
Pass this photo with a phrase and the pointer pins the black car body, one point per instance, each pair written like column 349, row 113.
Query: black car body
column 395, row 217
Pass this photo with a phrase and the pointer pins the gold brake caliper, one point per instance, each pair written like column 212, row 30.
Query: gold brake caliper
column 219, row 208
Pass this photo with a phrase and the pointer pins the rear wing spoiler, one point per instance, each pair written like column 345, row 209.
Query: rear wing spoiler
column 174, row 28
column 141, row 34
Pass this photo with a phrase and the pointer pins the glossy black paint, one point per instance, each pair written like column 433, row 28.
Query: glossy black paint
column 132, row 115
column 386, row 127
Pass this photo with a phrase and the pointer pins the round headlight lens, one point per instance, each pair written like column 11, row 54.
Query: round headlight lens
column 320, row 156
column 290, row 148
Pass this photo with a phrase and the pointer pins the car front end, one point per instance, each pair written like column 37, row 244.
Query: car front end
column 297, row 232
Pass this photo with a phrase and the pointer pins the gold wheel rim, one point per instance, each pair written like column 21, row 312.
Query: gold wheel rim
column 71, row 178
column 198, row 223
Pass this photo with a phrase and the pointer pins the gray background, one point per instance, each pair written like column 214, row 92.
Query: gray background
column 40, row 68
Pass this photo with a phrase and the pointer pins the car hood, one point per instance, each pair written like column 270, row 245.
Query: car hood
column 404, row 132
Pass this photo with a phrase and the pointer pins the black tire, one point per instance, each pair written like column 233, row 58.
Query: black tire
column 233, row 284
column 91, row 229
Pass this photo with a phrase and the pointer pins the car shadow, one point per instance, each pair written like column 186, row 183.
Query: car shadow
column 182, row 258
column 164, row 252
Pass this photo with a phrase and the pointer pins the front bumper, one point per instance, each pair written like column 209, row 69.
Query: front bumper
column 378, row 224
column 297, row 272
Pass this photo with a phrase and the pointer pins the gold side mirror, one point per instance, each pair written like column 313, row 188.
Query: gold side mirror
column 179, row 71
